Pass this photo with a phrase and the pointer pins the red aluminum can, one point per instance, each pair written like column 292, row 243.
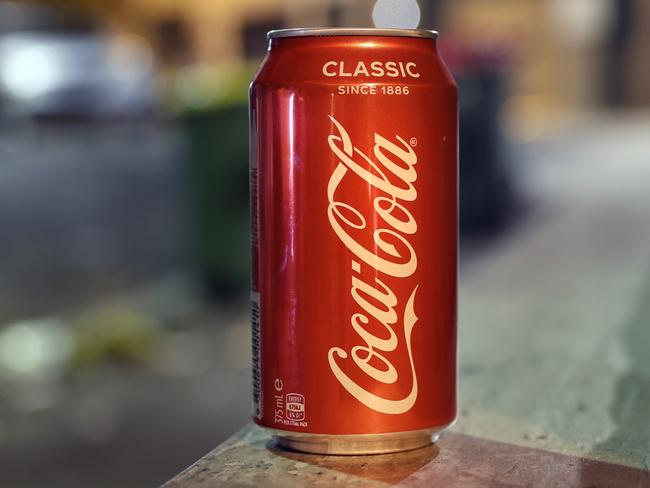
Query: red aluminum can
column 354, row 240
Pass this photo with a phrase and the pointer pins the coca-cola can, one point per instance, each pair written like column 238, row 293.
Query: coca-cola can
column 353, row 175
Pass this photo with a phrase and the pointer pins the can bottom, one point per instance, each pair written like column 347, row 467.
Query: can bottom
column 356, row 444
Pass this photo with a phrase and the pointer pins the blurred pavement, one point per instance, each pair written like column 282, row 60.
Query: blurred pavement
column 555, row 319
column 93, row 207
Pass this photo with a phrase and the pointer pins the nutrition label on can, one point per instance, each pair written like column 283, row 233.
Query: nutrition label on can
column 255, row 333
column 288, row 408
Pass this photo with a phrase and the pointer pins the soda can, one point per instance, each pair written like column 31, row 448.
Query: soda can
column 354, row 212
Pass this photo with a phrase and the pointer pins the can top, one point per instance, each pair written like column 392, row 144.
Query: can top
column 343, row 31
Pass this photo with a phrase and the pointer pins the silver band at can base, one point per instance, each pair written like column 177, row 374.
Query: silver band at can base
column 357, row 444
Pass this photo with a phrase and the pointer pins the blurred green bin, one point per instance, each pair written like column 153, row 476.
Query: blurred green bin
column 217, row 193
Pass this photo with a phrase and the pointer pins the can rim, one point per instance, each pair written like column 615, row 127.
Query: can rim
column 344, row 31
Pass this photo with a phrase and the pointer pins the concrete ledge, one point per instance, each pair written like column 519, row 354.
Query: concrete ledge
column 248, row 459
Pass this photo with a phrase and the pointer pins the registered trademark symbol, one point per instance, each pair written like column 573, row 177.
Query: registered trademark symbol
column 413, row 142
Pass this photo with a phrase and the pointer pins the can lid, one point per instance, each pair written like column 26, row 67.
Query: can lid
column 343, row 31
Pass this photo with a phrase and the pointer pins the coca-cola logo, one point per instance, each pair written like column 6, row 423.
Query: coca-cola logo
column 392, row 171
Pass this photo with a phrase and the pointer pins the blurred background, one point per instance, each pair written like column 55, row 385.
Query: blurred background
column 124, row 341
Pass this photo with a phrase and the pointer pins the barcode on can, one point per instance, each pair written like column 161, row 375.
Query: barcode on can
column 255, row 333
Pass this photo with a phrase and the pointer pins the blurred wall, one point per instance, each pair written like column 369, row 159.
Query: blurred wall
column 539, row 43
column 570, row 54
column 637, row 77
column 562, row 50
column 216, row 27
